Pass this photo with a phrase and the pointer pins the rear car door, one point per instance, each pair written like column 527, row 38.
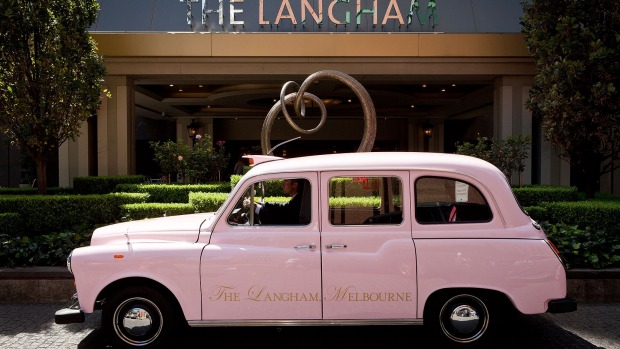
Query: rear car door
column 369, row 259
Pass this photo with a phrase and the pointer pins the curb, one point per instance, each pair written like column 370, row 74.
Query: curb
column 55, row 284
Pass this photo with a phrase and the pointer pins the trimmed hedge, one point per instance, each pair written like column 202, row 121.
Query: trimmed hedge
column 11, row 224
column 42, row 214
column 173, row 193
column 34, row 191
column 207, row 202
column 152, row 210
column 103, row 184
column 535, row 195
column 598, row 215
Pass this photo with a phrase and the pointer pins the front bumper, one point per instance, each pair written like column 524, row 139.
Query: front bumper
column 564, row 305
column 71, row 313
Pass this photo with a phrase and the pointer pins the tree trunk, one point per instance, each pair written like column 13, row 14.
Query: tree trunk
column 41, row 175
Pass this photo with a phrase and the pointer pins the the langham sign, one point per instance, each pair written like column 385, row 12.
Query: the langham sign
column 314, row 15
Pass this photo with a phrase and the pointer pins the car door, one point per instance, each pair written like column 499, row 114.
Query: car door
column 263, row 272
column 369, row 260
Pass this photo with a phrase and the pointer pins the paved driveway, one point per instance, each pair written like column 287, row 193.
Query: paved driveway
column 28, row 326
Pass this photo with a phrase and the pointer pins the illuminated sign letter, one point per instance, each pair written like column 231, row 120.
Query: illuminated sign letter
column 305, row 5
column 358, row 19
column 205, row 12
column 261, row 11
column 330, row 12
column 233, row 11
column 393, row 5
column 290, row 15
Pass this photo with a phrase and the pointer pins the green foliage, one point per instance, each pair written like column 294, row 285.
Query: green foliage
column 584, row 248
column 103, row 184
column 152, row 210
column 534, row 195
column 207, row 202
column 198, row 159
column 44, row 250
column 33, row 191
column 219, row 160
column 508, row 154
column 43, row 214
column 172, row 157
column 234, row 179
column 173, row 193
column 368, row 201
column 576, row 48
column 598, row 215
column 50, row 74
column 11, row 224
column 199, row 163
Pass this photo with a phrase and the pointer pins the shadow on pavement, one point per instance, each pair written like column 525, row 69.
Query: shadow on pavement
column 522, row 332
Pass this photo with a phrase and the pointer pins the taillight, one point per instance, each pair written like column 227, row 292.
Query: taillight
column 556, row 251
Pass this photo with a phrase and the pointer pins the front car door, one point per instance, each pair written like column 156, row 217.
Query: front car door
column 264, row 272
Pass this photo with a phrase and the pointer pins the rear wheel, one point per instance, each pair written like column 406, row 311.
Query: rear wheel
column 462, row 319
column 138, row 317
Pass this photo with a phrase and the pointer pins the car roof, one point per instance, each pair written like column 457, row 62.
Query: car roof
column 368, row 161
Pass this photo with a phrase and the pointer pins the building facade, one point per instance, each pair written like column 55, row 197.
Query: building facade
column 458, row 68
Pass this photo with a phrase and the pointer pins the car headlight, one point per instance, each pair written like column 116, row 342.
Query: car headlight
column 69, row 262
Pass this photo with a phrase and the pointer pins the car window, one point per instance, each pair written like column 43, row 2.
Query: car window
column 365, row 200
column 274, row 202
column 446, row 200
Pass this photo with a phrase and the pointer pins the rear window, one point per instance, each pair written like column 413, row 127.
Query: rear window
column 446, row 201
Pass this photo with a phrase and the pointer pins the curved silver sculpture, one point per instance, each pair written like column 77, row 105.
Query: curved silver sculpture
column 297, row 100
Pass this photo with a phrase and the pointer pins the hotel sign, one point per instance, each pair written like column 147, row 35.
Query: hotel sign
column 312, row 15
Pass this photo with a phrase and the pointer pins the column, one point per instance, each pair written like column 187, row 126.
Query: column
column 116, row 128
column 73, row 158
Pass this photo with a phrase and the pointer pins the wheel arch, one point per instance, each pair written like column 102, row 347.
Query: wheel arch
column 499, row 297
column 141, row 282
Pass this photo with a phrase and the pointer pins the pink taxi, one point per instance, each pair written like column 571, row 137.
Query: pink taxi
column 366, row 239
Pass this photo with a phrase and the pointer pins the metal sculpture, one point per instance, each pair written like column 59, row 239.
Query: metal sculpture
column 297, row 100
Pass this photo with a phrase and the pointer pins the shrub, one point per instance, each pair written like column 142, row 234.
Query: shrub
column 535, row 195
column 207, row 202
column 152, row 210
column 11, row 224
column 34, row 191
column 44, row 250
column 537, row 213
column 102, row 184
column 584, row 247
column 173, row 193
column 599, row 215
column 42, row 214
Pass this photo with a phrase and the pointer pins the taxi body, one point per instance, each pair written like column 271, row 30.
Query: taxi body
column 381, row 238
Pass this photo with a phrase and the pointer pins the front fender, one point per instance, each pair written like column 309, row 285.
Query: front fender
column 173, row 265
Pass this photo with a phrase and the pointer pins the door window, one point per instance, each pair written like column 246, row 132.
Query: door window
column 446, row 200
column 365, row 200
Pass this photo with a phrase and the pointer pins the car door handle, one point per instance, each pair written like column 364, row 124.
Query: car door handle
column 305, row 247
column 336, row 246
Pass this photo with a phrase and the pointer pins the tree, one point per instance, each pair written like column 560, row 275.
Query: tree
column 576, row 47
column 172, row 157
column 508, row 154
column 50, row 75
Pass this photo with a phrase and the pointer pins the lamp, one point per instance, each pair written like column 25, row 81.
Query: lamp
column 192, row 130
column 427, row 129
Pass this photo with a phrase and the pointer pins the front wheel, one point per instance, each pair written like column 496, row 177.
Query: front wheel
column 462, row 319
column 138, row 317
